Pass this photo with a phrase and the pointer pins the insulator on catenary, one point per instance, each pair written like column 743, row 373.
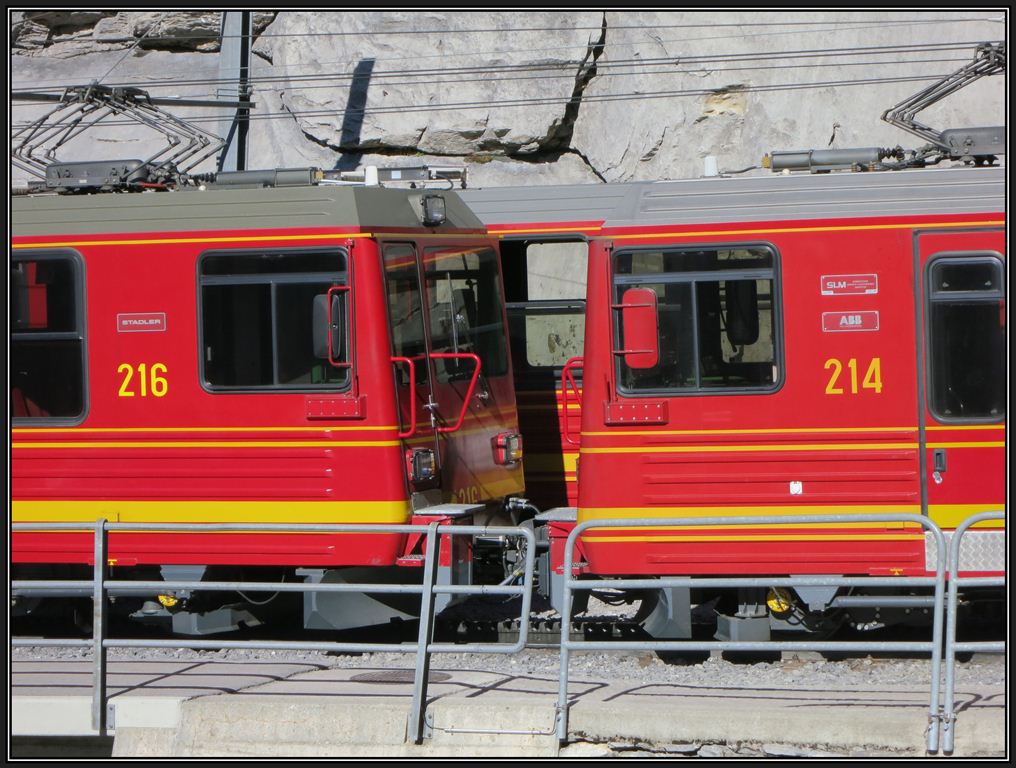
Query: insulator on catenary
column 827, row 159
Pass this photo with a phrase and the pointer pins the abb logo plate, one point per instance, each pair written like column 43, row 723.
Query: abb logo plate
column 866, row 320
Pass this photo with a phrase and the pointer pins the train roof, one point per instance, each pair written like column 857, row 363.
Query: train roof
column 194, row 209
column 757, row 198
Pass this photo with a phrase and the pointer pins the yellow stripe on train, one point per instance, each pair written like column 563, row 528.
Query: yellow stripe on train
column 951, row 515
column 753, row 448
column 782, row 537
column 632, row 513
column 204, row 511
column 210, row 444
column 945, row 516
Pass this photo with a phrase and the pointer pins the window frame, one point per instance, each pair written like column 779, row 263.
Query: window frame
column 519, row 312
column 691, row 278
column 80, row 333
column 519, row 307
column 933, row 296
column 429, row 255
column 271, row 279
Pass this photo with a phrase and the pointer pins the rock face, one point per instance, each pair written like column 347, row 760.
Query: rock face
column 519, row 98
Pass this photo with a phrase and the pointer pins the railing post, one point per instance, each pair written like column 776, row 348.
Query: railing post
column 949, row 694
column 99, row 630
column 935, row 707
column 416, row 713
column 561, row 714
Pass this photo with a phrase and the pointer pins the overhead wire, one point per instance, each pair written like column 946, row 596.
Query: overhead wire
column 614, row 45
column 292, row 82
column 626, row 27
column 664, row 65
column 563, row 99
column 640, row 73
column 337, row 83
column 128, row 51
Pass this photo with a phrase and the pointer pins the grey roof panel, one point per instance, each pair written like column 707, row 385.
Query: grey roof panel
column 758, row 198
column 222, row 209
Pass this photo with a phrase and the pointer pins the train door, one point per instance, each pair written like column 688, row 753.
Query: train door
column 545, row 287
column 446, row 310
column 961, row 295
column 412, row 364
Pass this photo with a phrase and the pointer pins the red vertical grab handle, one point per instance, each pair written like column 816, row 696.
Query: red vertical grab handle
column 568, row 377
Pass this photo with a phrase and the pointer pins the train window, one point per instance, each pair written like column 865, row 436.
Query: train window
column 717, row 315
column 545, row 285
column 405, row 311
column 465, row 310
column 47, row 322
column 555, row 316
column 547, row 334
column 966, row 335
column 257, row 313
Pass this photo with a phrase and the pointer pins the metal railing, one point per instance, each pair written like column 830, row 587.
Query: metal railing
column 423, row 648
column 942, row 705
column 933, row 647
column 948, row 714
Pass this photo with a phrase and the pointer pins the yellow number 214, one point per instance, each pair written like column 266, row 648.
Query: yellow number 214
column 872, row 377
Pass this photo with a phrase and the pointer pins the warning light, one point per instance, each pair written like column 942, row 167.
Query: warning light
column 507, row 448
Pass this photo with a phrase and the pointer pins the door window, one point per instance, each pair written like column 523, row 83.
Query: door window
column 405, row 310
column 966, row 337
column 465, row 310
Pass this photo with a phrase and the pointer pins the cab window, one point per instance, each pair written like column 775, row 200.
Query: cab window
column 47, row 322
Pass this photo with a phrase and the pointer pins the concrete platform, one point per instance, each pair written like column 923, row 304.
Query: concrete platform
column 231, row 709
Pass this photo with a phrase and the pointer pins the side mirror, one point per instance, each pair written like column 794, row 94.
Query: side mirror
column 328, row 327
column 640, row 328
column 742, row 312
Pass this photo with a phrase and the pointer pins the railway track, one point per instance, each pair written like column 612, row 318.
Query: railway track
column 544, row 632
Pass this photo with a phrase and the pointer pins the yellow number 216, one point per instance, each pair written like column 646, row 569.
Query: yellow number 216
column 149, row 380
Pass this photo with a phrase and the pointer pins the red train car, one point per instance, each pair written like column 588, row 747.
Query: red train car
column 792, row 344
column 300, row 352
column 307, row 352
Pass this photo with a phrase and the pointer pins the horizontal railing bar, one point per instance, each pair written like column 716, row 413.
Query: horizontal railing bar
column 875, row 601
column 449, row 529
column 198, row 645
column 55, row 643
column 747, row 645
column 982, row 646
column 132, row 587
column 980, row 581
column 781, row 581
